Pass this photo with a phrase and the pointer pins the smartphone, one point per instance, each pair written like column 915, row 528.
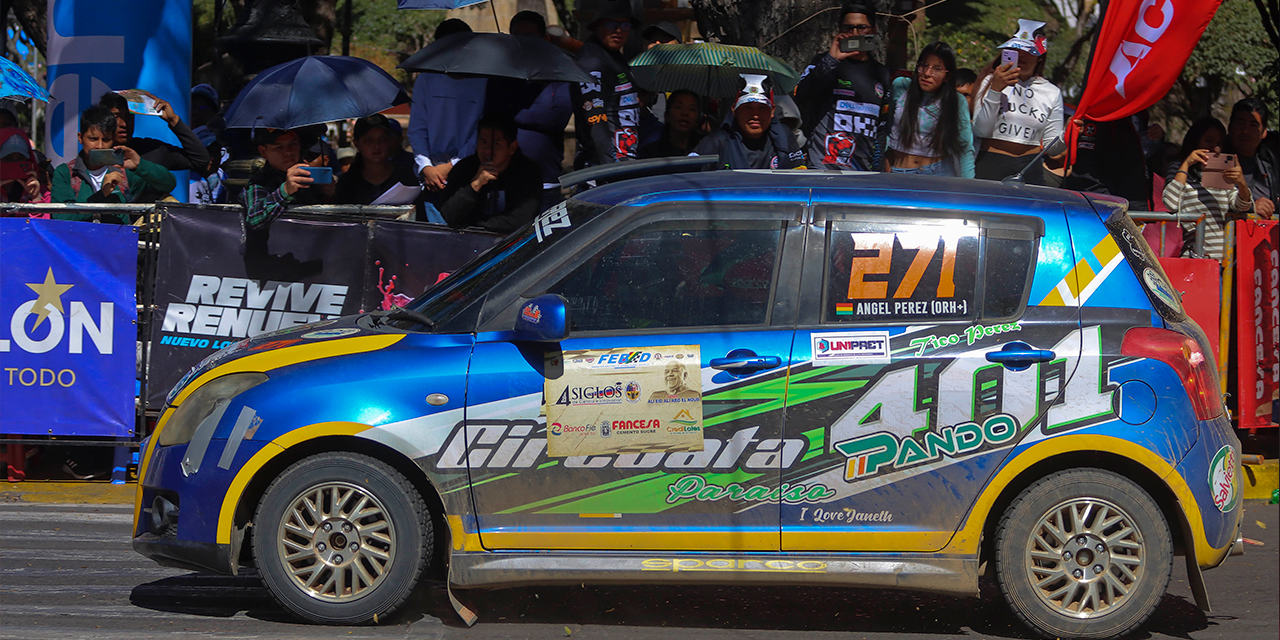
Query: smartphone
column 19, row 170
column 1214, row 167
column 321, row 175
column 1009, row 57
column 854, row 44
column 100, row 157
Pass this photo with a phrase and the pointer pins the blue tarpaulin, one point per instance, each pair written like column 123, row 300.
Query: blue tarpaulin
column 68, row 331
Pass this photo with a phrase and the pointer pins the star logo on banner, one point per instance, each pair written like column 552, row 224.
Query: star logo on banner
column 50, row 297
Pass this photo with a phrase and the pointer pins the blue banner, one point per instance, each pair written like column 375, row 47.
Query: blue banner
column 68, row 331
column 96, row 47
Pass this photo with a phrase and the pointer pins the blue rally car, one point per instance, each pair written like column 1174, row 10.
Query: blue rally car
column 729, row 377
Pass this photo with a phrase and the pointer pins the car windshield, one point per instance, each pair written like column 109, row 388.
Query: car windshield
column 458, row 290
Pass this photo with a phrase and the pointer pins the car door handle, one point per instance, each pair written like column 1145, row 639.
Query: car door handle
column 745, row 363
column 1019, row 355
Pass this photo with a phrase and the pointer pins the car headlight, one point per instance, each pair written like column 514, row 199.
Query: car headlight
column 206, row 403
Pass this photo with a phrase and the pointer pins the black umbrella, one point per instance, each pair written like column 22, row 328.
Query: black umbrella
column 312, row 90
column 497, row 55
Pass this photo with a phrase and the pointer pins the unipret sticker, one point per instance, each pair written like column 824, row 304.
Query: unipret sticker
column 849, row 348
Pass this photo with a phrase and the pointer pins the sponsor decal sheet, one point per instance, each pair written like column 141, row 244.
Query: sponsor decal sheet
column 613, row 401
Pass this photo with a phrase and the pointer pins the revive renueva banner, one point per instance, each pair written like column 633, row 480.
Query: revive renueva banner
column 67, row 328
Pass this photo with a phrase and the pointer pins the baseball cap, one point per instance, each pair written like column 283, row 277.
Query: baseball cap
column 206, row 90
column 755, row 88
column 653, row 31
column 1029, row 38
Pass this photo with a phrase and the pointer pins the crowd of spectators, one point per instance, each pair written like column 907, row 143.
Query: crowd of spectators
column 488, row 152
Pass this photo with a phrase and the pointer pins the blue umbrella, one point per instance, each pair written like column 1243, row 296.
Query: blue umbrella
column 16, row 83
column 313, row 90
column 435, row 4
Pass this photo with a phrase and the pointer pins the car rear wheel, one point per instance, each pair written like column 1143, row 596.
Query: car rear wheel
column 1083, row 554
column 341, row 538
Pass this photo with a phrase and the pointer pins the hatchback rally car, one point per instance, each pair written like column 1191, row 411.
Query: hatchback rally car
column 729, row 377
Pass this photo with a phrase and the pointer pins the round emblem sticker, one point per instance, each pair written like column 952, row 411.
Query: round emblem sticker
column 633, row 392
column 330, row 333
column 1222, row 480
column 1160, row 287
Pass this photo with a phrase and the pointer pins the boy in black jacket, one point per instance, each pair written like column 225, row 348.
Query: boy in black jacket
column 498, row 188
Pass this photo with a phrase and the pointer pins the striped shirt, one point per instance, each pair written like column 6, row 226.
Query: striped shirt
column 1214, row 204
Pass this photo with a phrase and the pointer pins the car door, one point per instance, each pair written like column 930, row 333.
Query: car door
column 658, row 423
column 916, row 369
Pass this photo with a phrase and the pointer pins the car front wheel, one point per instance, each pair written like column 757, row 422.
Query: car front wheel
column 340, row 538
column 1083, row 554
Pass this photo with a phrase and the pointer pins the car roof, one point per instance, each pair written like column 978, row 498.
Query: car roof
column 835, row 187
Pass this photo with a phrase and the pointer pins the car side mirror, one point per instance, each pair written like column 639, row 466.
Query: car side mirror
column 543, row 319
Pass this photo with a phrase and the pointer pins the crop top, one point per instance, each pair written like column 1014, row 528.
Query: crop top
column 1028, row 113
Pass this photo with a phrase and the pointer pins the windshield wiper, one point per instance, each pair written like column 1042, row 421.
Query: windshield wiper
column 401, row 313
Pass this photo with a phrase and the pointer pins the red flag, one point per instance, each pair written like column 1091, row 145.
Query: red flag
column 1141, row 49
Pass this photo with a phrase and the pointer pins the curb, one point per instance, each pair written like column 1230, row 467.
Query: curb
column 1261, row 479
column 68, row 492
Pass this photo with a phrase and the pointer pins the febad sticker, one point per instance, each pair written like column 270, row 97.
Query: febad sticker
column 850, row 347
column 1222, row 480
column 614, row 401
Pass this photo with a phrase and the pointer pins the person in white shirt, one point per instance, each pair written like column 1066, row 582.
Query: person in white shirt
column 1016, row 110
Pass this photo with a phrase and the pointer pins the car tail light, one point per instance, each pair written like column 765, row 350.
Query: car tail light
column 1194, row 366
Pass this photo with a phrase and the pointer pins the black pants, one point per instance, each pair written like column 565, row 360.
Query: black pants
column 997, row 166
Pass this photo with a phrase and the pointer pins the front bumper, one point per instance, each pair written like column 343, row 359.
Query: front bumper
column 184, row 554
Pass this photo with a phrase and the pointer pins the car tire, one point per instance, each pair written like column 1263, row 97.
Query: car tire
column 1083, row 553
column 341, row 538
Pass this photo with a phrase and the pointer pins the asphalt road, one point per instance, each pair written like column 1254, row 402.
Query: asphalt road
column 67, row 572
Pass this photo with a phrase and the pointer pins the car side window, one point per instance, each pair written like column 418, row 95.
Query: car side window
column 900, row 273
column 681, row 273
column 926, row 270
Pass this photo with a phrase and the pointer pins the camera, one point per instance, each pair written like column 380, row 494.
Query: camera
column 854, row 44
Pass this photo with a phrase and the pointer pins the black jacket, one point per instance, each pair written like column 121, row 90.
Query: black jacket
column 779, row 148
column 606, row 112
column 503, row 205
column 847, row 112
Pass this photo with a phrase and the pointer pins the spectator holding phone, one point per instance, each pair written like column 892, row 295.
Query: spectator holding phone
column 104, row 171
column 1016, row 111
column 21, row 178
column 844, row 98
column 931, row 120
column 283, row 181
column 1186, row 191
column 192, row 155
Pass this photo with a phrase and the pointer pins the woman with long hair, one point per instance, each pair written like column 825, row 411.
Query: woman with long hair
column 931, row 122
column 1185, row 191
column 1016, row 110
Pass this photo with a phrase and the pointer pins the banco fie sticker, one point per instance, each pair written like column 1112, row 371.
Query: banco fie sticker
column 638, row 399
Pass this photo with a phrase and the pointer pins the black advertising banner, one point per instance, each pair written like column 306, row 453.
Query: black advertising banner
column 209, row 296
column 406, row 258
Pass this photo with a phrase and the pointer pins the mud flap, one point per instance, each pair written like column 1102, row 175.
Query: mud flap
column 1195, row 578
column 468, row 616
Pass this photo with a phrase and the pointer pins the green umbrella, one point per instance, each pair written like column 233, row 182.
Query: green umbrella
column 708, row 69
